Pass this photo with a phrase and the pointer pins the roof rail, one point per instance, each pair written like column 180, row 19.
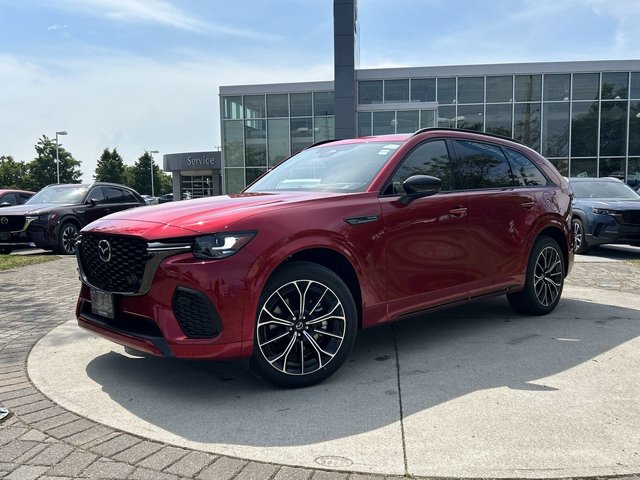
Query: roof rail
column 322, row 142
column 465, row 130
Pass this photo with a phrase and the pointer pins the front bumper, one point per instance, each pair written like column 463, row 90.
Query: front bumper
column 606, row 229
column 151, row 322
column 34, row 234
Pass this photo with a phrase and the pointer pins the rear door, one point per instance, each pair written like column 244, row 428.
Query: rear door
column 426, row 241
column 501, row 211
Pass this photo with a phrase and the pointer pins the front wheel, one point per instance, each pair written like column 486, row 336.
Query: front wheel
column 67, row 239
column 579, row 240
column 305, row 326
column 544, row 279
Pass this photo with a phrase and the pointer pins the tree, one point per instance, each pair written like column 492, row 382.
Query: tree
column 138, row 176
column 13, row 174
column 42, row 169
column 110, row 167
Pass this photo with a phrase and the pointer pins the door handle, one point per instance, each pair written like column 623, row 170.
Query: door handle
column 458, row 212
column 528, row 204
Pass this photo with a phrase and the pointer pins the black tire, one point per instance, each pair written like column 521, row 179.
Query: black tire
column 579, row 238
column 67, row 239
column 292, row 350
column 544, row 279
column 5, row 250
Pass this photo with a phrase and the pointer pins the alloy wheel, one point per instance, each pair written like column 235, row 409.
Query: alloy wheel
column 547, row 280
column 301, row 327
column 577, row 236
column 69, row 235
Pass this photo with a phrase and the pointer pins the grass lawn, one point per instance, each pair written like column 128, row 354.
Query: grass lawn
column 8, row 262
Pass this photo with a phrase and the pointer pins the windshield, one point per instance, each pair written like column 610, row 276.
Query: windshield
column 329, row 168
column 58, row 194
column 597, row 189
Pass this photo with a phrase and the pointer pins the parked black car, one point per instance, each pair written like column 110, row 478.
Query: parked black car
column 14, row 197
column 167, row 197
column 52, row 218
column 605, row 210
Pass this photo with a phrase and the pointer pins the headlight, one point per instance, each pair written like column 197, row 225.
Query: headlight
column 604, row 211
column 221, row 245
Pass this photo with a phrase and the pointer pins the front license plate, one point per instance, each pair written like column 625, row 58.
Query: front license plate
column 101, row 303
column 5, row 236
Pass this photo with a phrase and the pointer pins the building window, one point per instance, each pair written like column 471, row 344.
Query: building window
column 278, row 105
column 369, row 92
column 584, row 167
column 364, row 124
column 613, row 128
column 555, row 130
column 615, row 85
column 526, row 124
column 232, row 108
column 323, row 104
column 196, row 186
column 301, row 105
column 528, row 88
column 556, row 87
column 254, row 106
column 471, row 117
column 498, row 119
column 586, row 86
column 584, row 129
column 384, row 123
column 396, row 91
column 446, row 90
column 407, row 121
column 471, row 90
column 500, row 89
column 423, row 90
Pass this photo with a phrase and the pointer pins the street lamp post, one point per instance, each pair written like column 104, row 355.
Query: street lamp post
column 57, row 158
column 151, row 153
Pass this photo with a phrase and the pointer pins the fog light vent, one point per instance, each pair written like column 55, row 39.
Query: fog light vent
column 195, row 314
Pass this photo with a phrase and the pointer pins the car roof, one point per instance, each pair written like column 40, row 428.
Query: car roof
column 8, row 190
column 594, row 179
column 403, row 137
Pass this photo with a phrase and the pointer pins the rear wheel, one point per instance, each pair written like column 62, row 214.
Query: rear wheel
column 67, row 239
column 544, row 279
column 305, row 327
column 579, row 240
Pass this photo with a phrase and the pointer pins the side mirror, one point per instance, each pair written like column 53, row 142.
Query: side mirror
column 93, row 202
column 418, row 186
column 5, row 204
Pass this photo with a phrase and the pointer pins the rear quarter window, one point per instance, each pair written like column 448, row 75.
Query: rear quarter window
column 525, row 172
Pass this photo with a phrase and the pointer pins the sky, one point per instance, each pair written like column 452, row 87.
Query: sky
column 145, row 74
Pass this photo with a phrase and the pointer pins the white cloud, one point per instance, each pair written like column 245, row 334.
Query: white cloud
column 57, row 26
column 127, row 102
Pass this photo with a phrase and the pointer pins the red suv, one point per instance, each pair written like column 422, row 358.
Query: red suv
column 341, row 236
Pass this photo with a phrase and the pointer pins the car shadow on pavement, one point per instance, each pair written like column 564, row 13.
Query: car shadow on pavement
column 434, row 359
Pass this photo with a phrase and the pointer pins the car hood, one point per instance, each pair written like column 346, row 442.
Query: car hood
column 612, row 203
column 34, row 209
column 200, row 216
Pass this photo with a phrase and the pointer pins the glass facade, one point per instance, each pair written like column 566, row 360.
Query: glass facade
column 258, row 131
column 585, row 123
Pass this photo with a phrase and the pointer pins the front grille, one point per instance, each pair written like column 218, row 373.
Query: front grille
column 124, row 269
column 631, row 217
column 195, row 314
column 11, row 223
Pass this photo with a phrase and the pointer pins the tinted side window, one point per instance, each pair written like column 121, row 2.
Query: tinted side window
column 480, row 165
column 97, row 195
column 128, row 197
column 526, row 173
column 23, row 197
column 114, row 195
column 431, row 158
column 9, row 198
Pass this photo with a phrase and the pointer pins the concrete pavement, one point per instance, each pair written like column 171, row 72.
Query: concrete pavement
column 472, row 392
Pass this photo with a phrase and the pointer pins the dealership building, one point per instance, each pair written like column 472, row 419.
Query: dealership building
column 583, row 116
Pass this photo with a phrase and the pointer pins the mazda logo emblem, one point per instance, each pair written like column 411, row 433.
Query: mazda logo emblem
column 104, row 250
column 4, row 220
